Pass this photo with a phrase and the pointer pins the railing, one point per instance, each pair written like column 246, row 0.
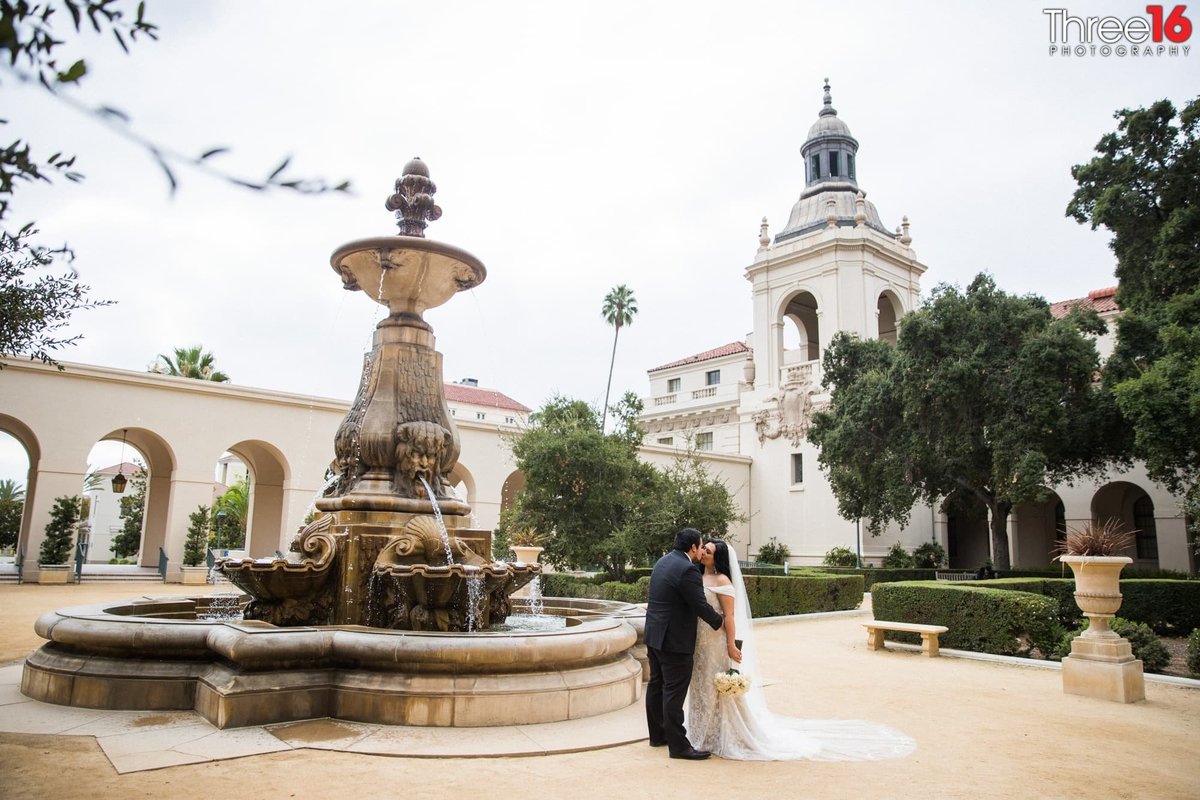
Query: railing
column 700, row 394
column 162, row 563
column 665, row 400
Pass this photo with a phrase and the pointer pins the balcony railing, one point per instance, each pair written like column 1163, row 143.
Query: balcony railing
column 708, row 391
column 665, row 400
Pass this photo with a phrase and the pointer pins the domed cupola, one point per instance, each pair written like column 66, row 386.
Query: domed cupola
column 830, row 175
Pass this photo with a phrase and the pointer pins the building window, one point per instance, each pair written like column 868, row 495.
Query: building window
column 480, row 415
column 814, row 168
column 673, row 385
column 1147, row 531
column 667, row 440
column 453, row 413
column 850, row 165
column 797, row 468
column 834, row 166
column 704, row 441
column 510, row 420
column 712, row 377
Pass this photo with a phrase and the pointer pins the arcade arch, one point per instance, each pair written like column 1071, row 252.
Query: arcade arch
column 267, row 474
column 513, row 485
column 801, row 322
column 1134, row 508
column 1037, row 528
column 888, row 311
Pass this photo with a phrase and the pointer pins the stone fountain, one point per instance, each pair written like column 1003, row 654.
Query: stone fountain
column 390, row 550
column 381, row 612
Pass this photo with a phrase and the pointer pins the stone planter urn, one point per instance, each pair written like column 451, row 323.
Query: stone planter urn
column 1101, row 663
column 526, row 555
column 195, row 576
column 54, row 573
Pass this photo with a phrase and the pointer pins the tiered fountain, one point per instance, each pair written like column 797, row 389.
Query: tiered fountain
column 381, row 613
column 389, row 551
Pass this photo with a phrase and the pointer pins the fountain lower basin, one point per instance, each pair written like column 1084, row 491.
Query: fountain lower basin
column 153, row 654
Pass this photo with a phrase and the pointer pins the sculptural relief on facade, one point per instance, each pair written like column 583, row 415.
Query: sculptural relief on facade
column 793, row 408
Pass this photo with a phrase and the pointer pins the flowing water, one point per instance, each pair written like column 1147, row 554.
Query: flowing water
column 437, row 514
column 536, row 607
column 474, row 597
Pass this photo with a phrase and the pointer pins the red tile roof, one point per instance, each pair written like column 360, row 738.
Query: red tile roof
column 731, row 349
column 461, row 393
column 1102, row 301
column 125, row 467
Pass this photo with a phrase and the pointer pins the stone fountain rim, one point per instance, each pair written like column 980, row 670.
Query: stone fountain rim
column 411, row 243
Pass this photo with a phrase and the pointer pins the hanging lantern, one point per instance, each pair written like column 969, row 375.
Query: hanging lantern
column 119, row 480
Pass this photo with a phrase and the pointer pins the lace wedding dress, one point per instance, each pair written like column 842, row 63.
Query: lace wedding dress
column 743, row 729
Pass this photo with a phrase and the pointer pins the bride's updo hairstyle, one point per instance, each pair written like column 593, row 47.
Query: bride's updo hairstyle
column 721, row 558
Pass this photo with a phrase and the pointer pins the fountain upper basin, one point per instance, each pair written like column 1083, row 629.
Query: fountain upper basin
column 407, row 273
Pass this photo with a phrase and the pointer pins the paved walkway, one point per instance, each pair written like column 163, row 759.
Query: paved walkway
column 984, row 729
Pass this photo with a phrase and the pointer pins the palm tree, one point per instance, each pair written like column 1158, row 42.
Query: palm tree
column 189, row 362
column 620, row 307
column 11, row 490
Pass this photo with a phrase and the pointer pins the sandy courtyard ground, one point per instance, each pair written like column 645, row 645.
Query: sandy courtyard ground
column 983, row 730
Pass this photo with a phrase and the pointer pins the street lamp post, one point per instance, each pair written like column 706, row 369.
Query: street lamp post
column 858, row 543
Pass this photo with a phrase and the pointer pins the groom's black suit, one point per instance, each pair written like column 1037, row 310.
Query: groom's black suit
column 676, row 600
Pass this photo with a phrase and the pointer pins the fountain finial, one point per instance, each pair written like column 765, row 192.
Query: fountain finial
column 413, row 200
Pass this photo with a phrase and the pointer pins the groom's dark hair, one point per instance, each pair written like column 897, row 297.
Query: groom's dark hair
column 686, row 539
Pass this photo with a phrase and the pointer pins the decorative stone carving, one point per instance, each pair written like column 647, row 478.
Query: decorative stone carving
column 793, row 408
column 413, row 200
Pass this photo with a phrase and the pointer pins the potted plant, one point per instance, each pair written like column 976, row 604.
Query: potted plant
column 195, row 571
column 1101, row 663
column 60, row 535
column 1091, row 552
column 527, row 545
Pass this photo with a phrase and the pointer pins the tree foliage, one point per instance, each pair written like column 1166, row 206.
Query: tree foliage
column 1142, row 187
column 619, row 309
column 133, row 510
column 601, row 506
column 190, row 362
column 12, row 506
column 197, row 536
column 233, row 509
column 60, row 531
column 985, row 393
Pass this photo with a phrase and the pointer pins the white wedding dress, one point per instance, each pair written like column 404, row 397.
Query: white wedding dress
column 743, row 729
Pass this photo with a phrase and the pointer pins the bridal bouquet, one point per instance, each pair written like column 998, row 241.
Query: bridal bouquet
column 731, row 683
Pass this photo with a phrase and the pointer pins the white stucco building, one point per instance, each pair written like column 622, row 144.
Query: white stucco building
column 836, row 267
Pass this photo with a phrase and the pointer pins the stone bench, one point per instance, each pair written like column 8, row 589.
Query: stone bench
column 929, row 634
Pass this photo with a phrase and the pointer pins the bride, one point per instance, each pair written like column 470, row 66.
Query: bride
column 742, row 728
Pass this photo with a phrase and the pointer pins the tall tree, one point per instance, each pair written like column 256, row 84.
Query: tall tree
column 234, row 510
column 190, row 362
column 12, row 504
column 60, row 531
column 620, row 307
column 985, row 394
column 1142, row 187
column 35, row 303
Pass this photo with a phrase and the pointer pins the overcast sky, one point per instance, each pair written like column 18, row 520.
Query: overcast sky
column 575, row 146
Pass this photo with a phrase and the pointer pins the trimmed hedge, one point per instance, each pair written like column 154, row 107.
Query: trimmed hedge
column 985, row 620
column 874, row 575
column 776, row 596
column 1169, row 607
column 770, row 596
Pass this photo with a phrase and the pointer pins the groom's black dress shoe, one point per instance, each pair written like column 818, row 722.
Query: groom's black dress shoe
column 657, row 744
column 692, row 755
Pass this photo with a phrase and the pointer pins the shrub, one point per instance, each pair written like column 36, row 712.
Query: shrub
column 558, row 584
column 984, row 620
column 840, row 557
column 772, row 596
column 897, row 558
column 60, row 531
column 773, row 552
column 1193, row 653
column 929, row 555
column 1146, row 645
column 197, row 537
column 638, row 592
column 1169, row 607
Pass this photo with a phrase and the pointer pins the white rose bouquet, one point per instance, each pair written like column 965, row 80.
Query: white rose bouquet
column 731, row 683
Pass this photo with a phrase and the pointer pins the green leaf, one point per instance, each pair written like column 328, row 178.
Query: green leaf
column 279, row 169
column 74, row 74
column 213, row 152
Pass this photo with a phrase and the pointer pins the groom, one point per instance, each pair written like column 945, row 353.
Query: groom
column 676, row 600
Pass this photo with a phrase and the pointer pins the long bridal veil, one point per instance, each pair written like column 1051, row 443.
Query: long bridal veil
column 769, row 736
